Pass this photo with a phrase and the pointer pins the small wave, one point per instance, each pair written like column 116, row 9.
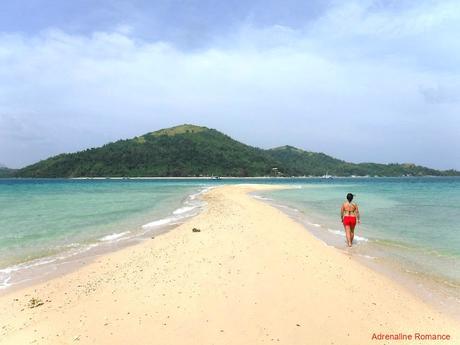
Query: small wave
column 4, row 283
column 315, row 225
column 342, row 233
column 193, row 196
column 181, row 212
column 262, row 198
column 78, row 250
column 6, row 273
column 184, row 209
column 204, row 190
column 359, row 238
column 283, row 206
column 113, row 236
column 159, row 222
column 189, row 208
column 5, row 276
column 337, row 232
column 290, row 208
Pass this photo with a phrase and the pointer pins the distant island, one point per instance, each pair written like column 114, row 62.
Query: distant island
column 189, row 150
column 5, row 172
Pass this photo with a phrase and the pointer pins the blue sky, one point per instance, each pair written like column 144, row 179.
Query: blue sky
column 359, row 80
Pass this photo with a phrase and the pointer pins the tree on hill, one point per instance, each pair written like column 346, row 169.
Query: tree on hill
column 189, row 150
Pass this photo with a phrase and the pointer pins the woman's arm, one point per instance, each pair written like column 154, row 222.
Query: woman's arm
column 358, row 217
column 342, row 209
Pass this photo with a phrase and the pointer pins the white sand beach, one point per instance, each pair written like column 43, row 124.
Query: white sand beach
column 250, row 275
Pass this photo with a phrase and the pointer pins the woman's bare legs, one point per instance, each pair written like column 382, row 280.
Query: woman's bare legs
column 352, row 233
column 349, row 235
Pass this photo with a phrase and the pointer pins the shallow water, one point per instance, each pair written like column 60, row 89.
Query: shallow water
column 410, row 225
column 44, row 220
column 411, row 222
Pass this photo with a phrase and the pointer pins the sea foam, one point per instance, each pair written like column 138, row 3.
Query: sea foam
column 113, row 237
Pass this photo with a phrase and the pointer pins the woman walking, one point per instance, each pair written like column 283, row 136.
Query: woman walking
column 349, row 213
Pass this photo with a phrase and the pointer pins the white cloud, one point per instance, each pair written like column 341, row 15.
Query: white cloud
column 347, row 85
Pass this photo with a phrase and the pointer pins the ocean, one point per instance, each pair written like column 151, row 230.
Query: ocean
column 45, row 222
column 408, row 224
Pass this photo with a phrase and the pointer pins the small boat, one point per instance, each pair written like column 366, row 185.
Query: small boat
column 327, row 176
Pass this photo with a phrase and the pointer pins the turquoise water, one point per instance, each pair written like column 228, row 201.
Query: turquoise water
column 412, row 221
column 42, row 218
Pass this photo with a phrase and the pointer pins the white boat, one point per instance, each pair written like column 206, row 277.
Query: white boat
column 327, row 176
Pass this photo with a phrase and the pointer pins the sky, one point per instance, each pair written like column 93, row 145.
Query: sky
column 363, row 81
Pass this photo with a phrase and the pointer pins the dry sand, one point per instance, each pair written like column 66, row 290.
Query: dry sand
column 250, row 276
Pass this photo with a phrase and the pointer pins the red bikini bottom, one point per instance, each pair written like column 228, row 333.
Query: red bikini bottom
column 349, row 221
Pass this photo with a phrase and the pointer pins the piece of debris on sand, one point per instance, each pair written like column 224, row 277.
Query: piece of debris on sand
column 196, row 230
column 35, row 302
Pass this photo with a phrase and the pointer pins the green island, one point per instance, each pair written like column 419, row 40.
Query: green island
column 196, row 151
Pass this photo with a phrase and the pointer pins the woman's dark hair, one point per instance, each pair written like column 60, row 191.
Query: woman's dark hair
column 349, row 197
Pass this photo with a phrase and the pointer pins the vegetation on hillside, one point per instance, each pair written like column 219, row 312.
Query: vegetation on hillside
column 6, row 172
column 189, row 150
column 297, row 162
column 179, row 151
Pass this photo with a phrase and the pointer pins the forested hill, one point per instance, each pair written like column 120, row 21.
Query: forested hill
column 189, row 150
column 300, row 162
column 185, row 150
column 6, row 172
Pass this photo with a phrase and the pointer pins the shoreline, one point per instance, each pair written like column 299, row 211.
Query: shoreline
column 41, row 269
column 209, row 178
column 439, row 293
column 176, row 288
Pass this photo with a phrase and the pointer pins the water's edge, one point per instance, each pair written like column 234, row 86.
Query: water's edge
column 40, row 270
column 443, row 298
